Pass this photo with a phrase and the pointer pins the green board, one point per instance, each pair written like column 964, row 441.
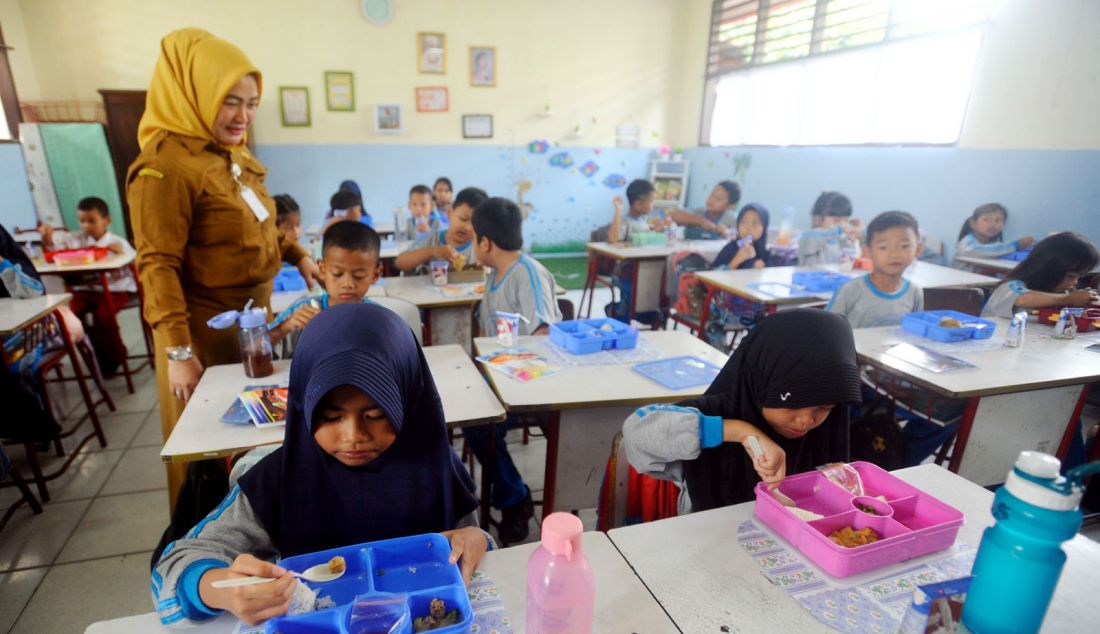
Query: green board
column 80, row 166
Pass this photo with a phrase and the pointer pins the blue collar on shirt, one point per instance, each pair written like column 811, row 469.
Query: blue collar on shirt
column 898, row 295
column 536, row 285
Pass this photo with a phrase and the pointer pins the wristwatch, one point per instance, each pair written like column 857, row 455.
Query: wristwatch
column 180, row 353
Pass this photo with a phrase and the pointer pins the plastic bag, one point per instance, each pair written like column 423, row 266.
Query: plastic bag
column 380, row 614
column 844, row 476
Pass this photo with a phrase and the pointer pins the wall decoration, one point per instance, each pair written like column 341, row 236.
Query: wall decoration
column 294, row 104
column 377, row 11
column 431, row 99
column 627, row 134
column 388, row 119
column 614, row 181
column 477, row 126
column 431, row 53
column 561, row 159
column 538, row 147
column 339, row 91
column 483, row 66
column 589, row 168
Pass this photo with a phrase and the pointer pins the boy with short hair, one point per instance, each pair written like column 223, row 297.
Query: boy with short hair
column 344, row 205
column 288, row 217
column 825, row 243
column 89, row 300
column 518, row 284
column 349, row 266
column 455, row 244
column 883, row 296
column 420, row 212
column 639, row 196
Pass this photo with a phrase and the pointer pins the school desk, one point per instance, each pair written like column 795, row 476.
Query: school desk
column 281, row 300
column 389, row 252
column 1017, row 398
column 622, row 602
column 587, row 406
column 991, row 266
column 928, row 275
column 101, row 269
column 702, row 578
column 199, row 434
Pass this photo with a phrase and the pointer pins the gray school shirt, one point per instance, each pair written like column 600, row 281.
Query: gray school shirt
column 867, row 307
column 527, row 289
column 1002, row 303
column 629, row 225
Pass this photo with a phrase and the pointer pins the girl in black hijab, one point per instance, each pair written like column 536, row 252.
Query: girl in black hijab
column 786, row 385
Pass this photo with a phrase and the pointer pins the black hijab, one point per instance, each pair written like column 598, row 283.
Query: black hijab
column 795, row 358
column 309, row 501
column 10, row 250
column 725, row 256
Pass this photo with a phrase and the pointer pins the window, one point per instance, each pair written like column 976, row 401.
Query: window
column 9, row 103
column 814, row 72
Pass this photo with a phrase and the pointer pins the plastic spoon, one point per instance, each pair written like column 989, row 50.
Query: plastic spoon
column 317, row 574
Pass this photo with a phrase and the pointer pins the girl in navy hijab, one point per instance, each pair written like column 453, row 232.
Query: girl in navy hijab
column 752, row 221
column 365, row 457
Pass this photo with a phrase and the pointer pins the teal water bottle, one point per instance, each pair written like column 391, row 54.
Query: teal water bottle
column 1020, row 557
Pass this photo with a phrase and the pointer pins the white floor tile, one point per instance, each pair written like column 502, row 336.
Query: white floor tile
column 119, row 428
column 139, row 470
column 119, row 524
column 83, row 479
column 17, row 588
column 149, row 435
column 31, row 540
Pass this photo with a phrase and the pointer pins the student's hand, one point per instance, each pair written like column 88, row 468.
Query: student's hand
column 744, row 254
column 46, row 232
column 252, row 604
column 299, row 318
column 183, row 376
column 618, row 202
column 1082, row 298
column 759, row 264
column 445, row 252
column 772, row 466
column 423, row 225
column 310, row 273
column 1025, row 242
column 720, row 229
column 115, row 248
column 468, row 546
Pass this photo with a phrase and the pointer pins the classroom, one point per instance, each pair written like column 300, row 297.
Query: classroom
column 524, row 316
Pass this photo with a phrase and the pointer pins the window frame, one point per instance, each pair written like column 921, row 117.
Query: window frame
column 9, row 98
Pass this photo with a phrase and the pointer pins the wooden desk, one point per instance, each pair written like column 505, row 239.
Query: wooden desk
column 622, row 602
column 587, row 406
column 1018, row 398
column 199, row 434
column 991, row 266
column 17, row 314
column 447, row 319
column 702, row 578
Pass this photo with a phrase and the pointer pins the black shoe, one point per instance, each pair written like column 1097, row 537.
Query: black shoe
column 515, row 521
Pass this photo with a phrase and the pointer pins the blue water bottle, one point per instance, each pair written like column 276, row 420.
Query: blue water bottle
column 1020, row 557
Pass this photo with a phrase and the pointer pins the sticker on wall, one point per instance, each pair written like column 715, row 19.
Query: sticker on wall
column 614, row 181
column 538, row 147
column 589, row 168
column 561, row 159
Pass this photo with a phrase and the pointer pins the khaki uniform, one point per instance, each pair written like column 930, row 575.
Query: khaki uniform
column 200, row 251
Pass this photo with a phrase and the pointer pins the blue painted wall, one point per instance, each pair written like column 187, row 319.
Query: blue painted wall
column 16, row 205
column 567, row 204
column 1044, row 190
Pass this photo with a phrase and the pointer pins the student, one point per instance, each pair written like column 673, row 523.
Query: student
column 89, row 301
column 420, row 208
column 18, row 277
column 288, row 217
column 883, row 296
column 752, row 222
column 353, row 187
column 344, row 205
column 442, row 193
column 788, row 385
column 639, row 195
column 825, row 244
column 982, row 236
column 349, row 266
column 518, row 284
column 455, row 244
column 716, row 219
column 1047, row 278
column 365, row 457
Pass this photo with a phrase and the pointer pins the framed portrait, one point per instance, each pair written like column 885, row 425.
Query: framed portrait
column 339, row 91
column 477, row 126
column 388, row 118
column 483, row 66
column 431, row 51
column 294, row 106
column 431, row 99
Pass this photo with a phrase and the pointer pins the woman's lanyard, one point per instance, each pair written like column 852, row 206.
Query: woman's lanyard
column 250, row 197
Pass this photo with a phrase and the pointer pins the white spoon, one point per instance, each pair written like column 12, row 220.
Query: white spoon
column 317, row 574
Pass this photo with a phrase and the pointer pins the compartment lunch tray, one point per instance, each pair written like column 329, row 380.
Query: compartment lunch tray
column 585, row 336
column 819, row 281
column 910, row 523
column 1087, row 322
column 415, row 566
column 1016, row 256
column 678, row 373
column 927, row 324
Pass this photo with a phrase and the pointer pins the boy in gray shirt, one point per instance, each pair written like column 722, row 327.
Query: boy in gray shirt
column 825, row 243
column 881, row 297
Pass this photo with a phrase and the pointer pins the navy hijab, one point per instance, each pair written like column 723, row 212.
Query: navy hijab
column 725, row 256
column 309, row 501
column 795, row 358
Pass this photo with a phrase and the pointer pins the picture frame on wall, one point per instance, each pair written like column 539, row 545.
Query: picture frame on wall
column 340, row 91
column 432, row 99
column 477, row 126
column 294, row 106
column 431, row 53
column 483, row 66
column 388, row 118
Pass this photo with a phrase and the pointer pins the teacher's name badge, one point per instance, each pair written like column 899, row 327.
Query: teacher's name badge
column 250, row 197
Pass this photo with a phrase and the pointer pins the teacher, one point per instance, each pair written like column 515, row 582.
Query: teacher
column 204, row 224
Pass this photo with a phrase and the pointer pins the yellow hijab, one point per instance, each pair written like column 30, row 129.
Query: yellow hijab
column 194, row 72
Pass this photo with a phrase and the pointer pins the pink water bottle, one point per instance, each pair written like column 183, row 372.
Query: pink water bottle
column 561, row 589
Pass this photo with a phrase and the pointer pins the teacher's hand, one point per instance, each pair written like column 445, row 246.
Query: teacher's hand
column 308, row 268
column 183, row 376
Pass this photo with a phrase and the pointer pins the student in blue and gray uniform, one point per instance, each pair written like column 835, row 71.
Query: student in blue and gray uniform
column 982, row 236
column 881, row 297
column 1048, row 278
column 825, row 243
column 455, row 244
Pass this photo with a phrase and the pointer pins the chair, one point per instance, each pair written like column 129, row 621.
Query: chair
column 7, row 470
column 599, row 272
column 527, row 421
column 566, row 308
column 628, row 497
column 407, row 311
column 963, row 300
